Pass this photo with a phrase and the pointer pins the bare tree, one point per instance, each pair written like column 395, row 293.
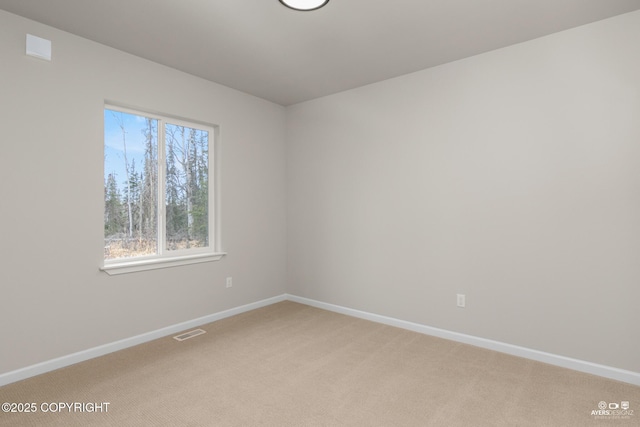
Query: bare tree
column 120, row 121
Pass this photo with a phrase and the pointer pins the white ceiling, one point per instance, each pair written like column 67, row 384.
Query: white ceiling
column 262, row 48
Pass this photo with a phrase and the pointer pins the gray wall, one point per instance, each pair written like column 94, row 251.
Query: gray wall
column 512, row 177
column 53, row 299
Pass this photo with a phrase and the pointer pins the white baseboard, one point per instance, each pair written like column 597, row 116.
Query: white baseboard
column 540, row 356
column 81, row 356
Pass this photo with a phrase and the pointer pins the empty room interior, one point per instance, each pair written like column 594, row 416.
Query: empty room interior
column 322, row 213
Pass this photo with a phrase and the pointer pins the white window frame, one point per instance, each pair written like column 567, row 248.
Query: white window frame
column 165, row 258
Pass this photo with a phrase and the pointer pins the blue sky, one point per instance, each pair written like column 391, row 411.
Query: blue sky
column 113, row 146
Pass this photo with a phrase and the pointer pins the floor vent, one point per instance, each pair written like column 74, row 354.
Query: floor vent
column 189, row 334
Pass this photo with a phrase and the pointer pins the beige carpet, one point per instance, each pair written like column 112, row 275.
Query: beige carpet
column 293, row 365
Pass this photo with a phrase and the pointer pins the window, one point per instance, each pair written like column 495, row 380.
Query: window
column 159, row 192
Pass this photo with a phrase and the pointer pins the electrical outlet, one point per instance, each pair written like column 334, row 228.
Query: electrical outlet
column 229, row 282
column 461, row 300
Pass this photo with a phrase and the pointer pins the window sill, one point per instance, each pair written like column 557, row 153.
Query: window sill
column 156, row 263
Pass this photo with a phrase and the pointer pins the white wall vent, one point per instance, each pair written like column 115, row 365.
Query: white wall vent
column 189, row 334
column 38, row 47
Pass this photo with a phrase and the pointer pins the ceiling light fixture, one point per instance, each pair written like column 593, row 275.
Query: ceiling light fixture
column 304, row 5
